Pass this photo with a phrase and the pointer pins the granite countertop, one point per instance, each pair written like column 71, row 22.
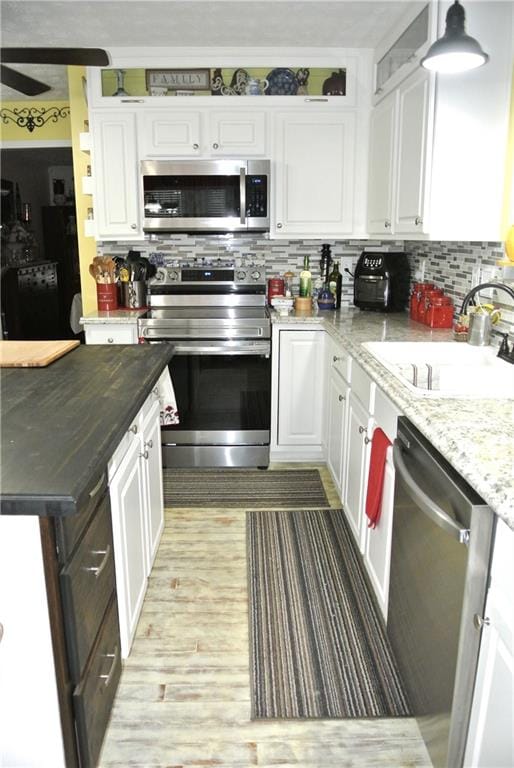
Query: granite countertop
column 114, row 316
column 475, row 435
column 61, row 424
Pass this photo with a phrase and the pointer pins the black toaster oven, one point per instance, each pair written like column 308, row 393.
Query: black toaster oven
column 382, row 281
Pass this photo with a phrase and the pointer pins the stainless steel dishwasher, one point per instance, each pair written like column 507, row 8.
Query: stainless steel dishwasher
column 442, row 533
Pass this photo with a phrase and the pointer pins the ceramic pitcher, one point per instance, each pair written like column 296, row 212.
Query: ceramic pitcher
column 256, row 87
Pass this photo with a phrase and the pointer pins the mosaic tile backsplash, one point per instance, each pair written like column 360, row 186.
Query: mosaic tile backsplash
column 453, row 266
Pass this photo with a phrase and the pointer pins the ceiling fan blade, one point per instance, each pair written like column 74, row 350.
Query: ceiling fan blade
column 88, row 57
column 22, row 83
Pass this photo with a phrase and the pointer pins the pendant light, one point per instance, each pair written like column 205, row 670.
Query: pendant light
column 455, row 51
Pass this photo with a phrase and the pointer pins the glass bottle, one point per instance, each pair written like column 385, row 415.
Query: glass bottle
column 335, row 283
column 325, row 261
column 305, row 278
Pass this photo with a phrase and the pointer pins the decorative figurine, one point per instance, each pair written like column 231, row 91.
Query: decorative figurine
column 335, row 85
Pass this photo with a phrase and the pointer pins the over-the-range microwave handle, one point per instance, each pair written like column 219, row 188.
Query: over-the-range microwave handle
column 424, row 502
column 242, row 194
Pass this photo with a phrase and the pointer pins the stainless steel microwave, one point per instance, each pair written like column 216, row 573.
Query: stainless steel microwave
column 206, row 195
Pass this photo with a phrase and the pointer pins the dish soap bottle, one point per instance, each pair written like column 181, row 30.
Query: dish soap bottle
column 305, row 278
column 335, row 283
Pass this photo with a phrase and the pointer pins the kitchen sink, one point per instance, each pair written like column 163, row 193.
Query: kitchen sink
column 445, row 369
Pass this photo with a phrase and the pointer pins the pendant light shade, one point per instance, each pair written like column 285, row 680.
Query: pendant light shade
column 455, row 51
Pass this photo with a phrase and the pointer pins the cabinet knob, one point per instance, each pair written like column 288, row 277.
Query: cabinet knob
column 362, row 429
column 480, row 621
column 110, row 340
column 367, row 440
column 387, row 223
column 195, row 146
column 335, row 359
column 145, row 454
column 341, row 398
column 133, row 226
column 149, row 444
column 215, row 146
column 279, row 225
column 418, row 221
column 133, row 429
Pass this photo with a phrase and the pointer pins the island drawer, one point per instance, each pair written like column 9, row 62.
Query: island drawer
column 69, row 528
column 87, row 583
column 93, row 697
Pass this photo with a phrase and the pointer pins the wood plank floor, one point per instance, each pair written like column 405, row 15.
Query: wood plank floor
column 184, row 696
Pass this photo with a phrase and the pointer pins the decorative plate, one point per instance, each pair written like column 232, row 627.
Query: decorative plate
column 281, row 82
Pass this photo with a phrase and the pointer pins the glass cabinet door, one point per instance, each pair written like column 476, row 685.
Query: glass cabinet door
column 403, row 49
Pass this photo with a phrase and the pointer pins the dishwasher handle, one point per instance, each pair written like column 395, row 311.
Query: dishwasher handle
column 425, row 503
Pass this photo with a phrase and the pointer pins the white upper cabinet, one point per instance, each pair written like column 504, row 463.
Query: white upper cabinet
column 115, row 173
column 314, row 172
column 203, row 133
column 382, row 158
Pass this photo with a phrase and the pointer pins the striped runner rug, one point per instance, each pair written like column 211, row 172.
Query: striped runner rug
column 318, row 645
column 245, row 488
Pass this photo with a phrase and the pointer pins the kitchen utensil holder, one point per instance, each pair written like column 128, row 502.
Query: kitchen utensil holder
column 106, row 296
column 133, row 294
column 479, row 334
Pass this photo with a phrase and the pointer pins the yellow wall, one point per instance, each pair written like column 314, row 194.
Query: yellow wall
column 87, row 245
column 58, row 130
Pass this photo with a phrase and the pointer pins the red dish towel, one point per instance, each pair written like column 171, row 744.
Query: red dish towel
column 379, row 445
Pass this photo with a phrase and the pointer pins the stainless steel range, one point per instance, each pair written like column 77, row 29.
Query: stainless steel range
column 215, row 316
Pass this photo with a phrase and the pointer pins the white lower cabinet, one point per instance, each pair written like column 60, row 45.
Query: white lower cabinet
column 298, row 401
column 360, row 424
column 491, row 733
column 135, row 482
column 339, row 368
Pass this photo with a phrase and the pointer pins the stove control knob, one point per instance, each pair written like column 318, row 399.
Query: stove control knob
column 241, row 275
column 160, row 275
column 173, row 275
column 255, row 275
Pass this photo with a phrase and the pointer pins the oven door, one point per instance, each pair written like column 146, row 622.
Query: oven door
column 223, row 393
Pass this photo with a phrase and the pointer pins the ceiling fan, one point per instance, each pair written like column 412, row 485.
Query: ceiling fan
column 88, row 57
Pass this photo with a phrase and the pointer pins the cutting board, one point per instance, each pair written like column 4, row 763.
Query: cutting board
column 33, row 354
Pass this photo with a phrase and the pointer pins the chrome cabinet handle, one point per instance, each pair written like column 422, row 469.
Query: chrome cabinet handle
column 341, row 398
column 97, row 569
column 387, row 223
column 97, row 487
column 362, row 429
column 149, row 444
column 114, row 656
column 215, row 146
column 145, row 454
column 418, row 220
column 279, row 226
column 195, row 146
column 133, row 429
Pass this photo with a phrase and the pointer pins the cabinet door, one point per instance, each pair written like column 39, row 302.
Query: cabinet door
column 152, row 477
column 360, row 424
column 116, row 178
column 377, row 548
column 337, row 399
column 242, row 134
column 381, row 165
column 314, row 172
column 128, row 527
column 170, row 134
column 414, row 106
column 300, row 398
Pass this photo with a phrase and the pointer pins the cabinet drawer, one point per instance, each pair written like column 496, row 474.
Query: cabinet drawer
column 363, row 387
column 93, row 698
column 342, row 363
column 386, row 414
column 87, row 583
column 69, row 529
column 109, row 334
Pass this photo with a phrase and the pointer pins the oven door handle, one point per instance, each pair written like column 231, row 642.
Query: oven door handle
column 188, row 348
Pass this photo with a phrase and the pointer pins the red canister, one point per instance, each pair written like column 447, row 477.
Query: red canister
column 440, row 312
column 418, row 290
column 424, row 302
column 275, row 287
